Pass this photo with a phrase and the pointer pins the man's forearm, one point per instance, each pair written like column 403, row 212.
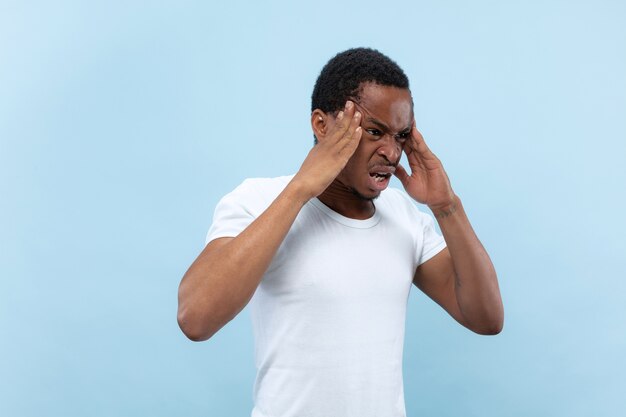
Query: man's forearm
column 476, row 284
column 223, row 278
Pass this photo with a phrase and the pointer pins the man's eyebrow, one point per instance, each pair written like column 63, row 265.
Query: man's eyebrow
column 378, row 123
column 384, row 127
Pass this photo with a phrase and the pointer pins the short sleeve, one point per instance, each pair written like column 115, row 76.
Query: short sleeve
column 427, row 240
column 237, row 209
column 232, row 214
column 432, row 241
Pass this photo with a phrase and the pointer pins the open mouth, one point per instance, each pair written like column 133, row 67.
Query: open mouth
column 380, row 176
column 379, row 180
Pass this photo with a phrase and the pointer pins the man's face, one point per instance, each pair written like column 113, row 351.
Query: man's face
column 387, row 118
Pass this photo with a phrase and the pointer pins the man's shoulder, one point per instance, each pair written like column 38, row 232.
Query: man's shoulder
column 262, row 185
column 266, row 182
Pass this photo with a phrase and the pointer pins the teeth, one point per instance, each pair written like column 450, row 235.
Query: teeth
column 380, row 177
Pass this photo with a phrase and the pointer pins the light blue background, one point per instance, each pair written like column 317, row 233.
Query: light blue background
column 123, row 123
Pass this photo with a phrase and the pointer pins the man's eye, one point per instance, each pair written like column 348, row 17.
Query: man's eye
column 373, row 132
column 401, row 137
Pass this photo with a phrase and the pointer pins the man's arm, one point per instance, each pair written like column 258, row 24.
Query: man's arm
column 222, row 280
column 461, row 278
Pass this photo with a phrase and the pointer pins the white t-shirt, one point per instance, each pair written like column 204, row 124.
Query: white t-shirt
column 329, row 313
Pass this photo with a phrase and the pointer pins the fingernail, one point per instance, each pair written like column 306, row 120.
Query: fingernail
column 340, row 115
column 357, row 115
column 348, row 105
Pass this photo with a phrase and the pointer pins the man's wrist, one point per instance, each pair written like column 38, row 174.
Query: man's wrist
column 298, row 192
column 442, row 211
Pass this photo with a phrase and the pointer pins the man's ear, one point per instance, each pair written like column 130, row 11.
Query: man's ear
column 319, row 123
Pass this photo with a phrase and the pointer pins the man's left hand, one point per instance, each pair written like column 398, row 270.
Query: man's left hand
column 428, row 182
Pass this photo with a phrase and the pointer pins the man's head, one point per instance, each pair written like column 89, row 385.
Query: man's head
column 343, row 76
column 380, row 90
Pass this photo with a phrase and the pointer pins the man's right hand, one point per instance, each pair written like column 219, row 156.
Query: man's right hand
column 223, row 278
column 331, row 154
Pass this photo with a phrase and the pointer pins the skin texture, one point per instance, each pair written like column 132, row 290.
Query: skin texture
column 365, row 136
column 223, row 278
column 386, row 122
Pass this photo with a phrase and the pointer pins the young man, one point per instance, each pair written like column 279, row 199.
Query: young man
column 328, row 255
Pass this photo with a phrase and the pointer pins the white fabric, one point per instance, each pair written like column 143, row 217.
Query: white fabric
column 329, row 314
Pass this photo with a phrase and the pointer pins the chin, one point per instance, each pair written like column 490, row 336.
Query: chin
column 370, row 196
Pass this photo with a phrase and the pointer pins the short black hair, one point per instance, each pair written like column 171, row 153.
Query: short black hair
column 341, row 78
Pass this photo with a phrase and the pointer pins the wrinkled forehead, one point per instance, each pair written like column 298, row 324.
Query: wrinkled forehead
column 392, row 106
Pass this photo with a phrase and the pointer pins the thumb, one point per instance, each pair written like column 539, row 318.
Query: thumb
column 402, row 175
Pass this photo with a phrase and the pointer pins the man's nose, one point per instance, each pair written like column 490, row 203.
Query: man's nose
column 390, row 148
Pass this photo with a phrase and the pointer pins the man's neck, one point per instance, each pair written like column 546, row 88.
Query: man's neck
column 345, row 201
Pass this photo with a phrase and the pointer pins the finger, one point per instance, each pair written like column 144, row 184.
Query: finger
column 349, row 106
column 351, row 139
column 355, row 123
column 354, row 141
column 346, row 135
column 347, row 148
column 342, row 122
column 344, row 116
column 418, row 143
column 401, row 174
